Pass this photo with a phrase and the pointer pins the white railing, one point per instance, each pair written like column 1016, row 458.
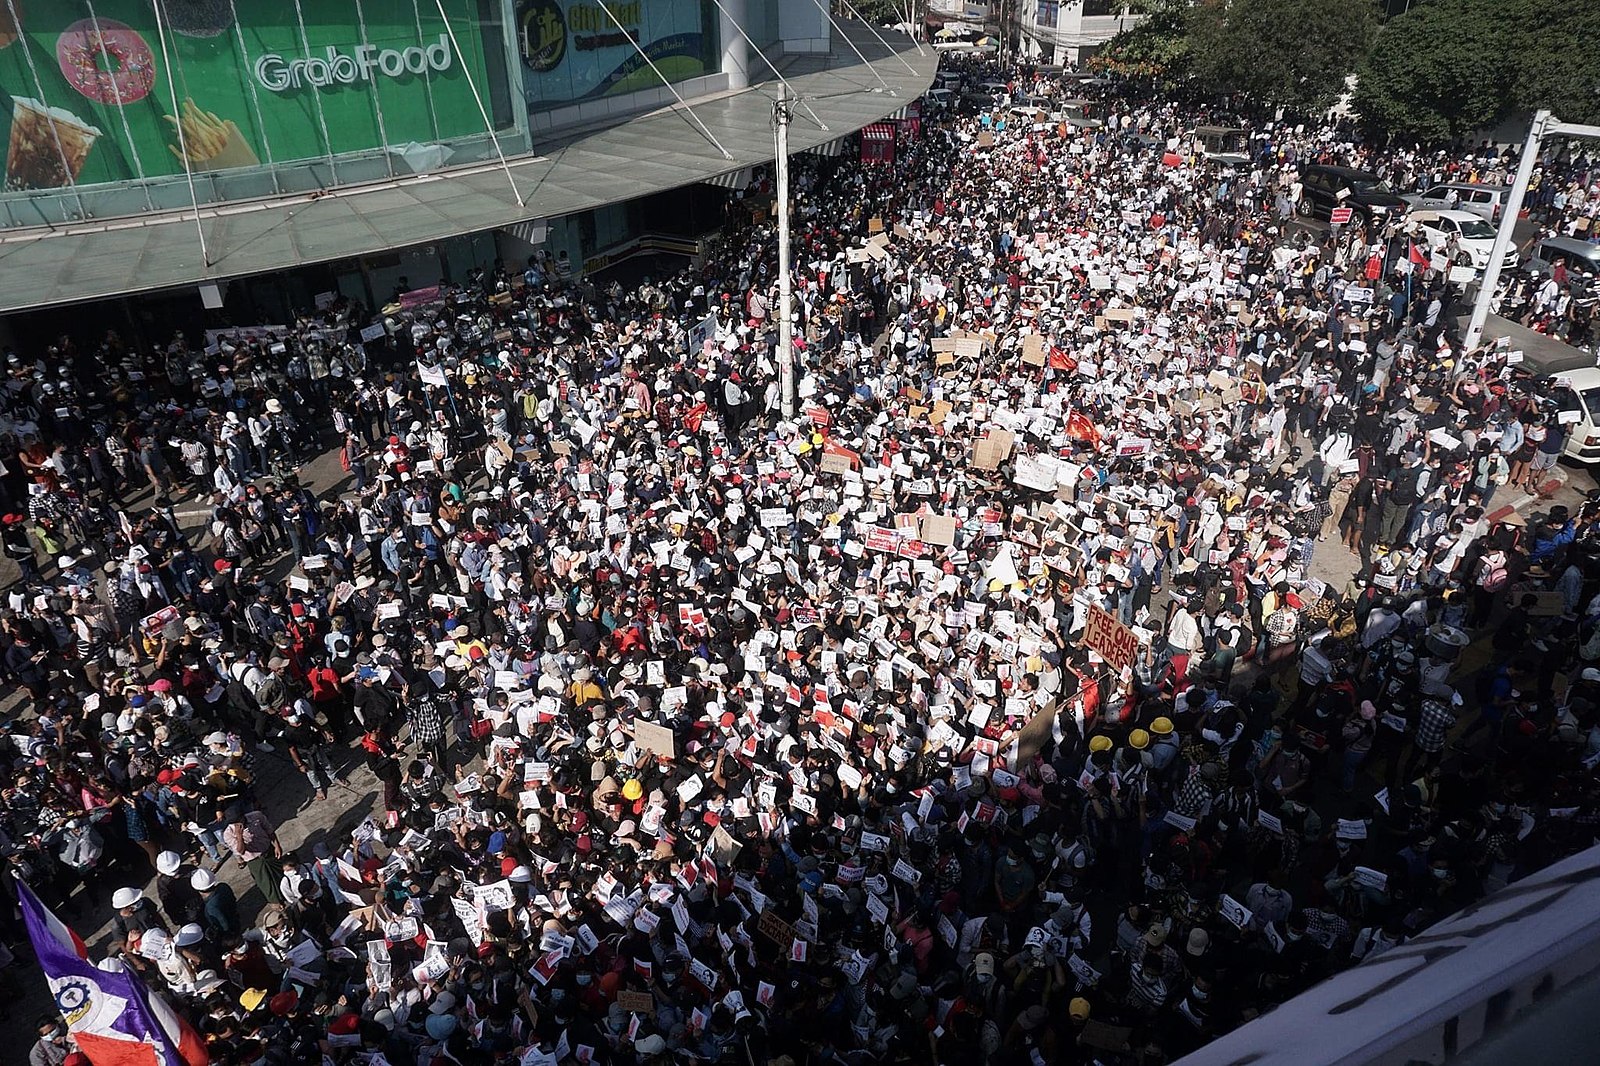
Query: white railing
column 1436, row 996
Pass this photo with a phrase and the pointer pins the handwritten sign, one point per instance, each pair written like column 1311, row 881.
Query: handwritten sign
column 993, row 449
column 1033, row 350
column 637, row 1002
column 835, row 463
column 775, row 929
column 1114, row 641
column 654, row 738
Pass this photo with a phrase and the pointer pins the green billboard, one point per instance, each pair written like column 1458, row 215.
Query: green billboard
column 95, row 91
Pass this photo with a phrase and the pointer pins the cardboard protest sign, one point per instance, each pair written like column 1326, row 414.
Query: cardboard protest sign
column 1105, row 1037
column 938, row 529
column 654, row 738
column 993, row 449
column 637, row 1002
column 835, row 463
column 1033, row 350
column 774, row 928
column 1114, row 641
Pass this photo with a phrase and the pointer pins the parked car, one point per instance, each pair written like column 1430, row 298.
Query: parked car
column 1472, row 236
column 1228, row 145
column 1488, row 202
column 1581, row 257
column 1583, row 396
column 1323, row 188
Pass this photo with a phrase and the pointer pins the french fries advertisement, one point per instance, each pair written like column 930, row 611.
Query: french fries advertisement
column 207, row 142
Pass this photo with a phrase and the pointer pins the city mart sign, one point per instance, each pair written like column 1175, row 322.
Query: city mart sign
column 278, row 74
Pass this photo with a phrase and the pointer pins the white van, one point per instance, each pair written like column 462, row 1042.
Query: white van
column 1583, row 396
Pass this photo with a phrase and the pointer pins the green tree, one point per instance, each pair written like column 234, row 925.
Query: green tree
column 1439, row 71
column 1296, row 53
column 1551, row 45
column 1158, row 45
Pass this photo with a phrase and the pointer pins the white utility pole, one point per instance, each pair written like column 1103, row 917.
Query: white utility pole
column 780, row 117
column 1544, row 125
column 1508, row 222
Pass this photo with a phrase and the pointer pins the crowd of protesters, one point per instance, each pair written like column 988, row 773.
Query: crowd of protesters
column 988, row 709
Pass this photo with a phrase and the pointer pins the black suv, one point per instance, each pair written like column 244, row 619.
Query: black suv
column 1369, row 198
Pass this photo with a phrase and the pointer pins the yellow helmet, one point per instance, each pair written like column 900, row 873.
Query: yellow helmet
column 1100, row 743
column 1161, row 726
column 632, row 790
column 1139, row 739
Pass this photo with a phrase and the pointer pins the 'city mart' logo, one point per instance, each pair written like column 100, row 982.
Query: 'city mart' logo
column 277, row 74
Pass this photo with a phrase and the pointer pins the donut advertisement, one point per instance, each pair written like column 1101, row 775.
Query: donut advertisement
column 130, row 90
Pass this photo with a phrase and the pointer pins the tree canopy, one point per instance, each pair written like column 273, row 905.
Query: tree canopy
column 1156, row 46
column 1439, row 71
column 1295, row 53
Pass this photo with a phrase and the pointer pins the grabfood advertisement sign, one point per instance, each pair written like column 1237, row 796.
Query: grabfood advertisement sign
column 90, row 92
column 368, row 62
column 577, row 50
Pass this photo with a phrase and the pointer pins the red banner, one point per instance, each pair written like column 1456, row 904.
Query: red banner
column 879, row 539
column 877, row 143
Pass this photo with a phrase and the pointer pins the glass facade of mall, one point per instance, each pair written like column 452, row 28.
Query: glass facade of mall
column 157, row 144
column 117, row 108
column 114, row 107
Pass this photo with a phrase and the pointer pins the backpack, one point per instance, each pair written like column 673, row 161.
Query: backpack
column 1491, row 573
column 1070, row 856
column 270, row 693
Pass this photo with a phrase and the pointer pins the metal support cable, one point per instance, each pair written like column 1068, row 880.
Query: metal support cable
column 377, row 97
column 776, row 73
column 487, row 125
column 255, row 98
column 316, row 97
column 183, row 144
column 670, row 88
column 38, row 87
column 840, row 30
column 874, row 31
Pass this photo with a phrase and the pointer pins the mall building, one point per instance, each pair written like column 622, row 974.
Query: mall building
column 160, row 154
